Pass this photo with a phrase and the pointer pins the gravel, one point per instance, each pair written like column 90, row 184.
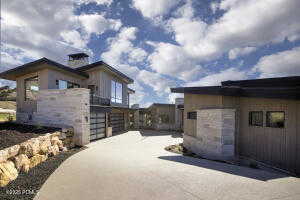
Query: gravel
column 28, row 184
column 12, row 133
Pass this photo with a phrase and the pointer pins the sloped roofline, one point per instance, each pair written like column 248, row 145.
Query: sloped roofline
column 29, row 65
column 78, row 71
column 107, row 66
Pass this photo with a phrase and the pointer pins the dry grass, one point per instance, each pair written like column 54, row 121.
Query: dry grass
column 4, row 117
column 8, row 105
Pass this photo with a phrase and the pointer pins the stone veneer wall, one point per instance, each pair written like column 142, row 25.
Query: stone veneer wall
column 215, row 134
column 68, row 107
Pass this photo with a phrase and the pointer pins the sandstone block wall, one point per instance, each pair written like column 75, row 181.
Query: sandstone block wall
column 215, row 136
column 67, row 107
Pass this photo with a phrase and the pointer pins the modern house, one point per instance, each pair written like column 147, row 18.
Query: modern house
column 160, row 116
column 89, row 97
column 257, row 119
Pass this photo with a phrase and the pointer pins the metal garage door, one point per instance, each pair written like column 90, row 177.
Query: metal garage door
column 117, row 122
column 97, row 125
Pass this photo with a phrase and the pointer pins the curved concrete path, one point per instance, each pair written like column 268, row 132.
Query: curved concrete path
column 135, row 165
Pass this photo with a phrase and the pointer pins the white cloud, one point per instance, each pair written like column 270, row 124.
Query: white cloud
column 152, row 9
column 244, row 23
column 172, row 60
column 173, row 96
column 49, row 28
column 285, row 63
column 160, row 84
column 236, row 52
column 137, row 55
column 122, row 52
column 95, row 23
column 99, row 2
column 214, row 6
column 217, row 78
column 74, row 38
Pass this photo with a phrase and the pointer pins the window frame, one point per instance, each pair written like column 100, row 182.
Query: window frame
column 25, row 87
column 74, row 85
column 114, row 95
column 267, row 117
column 250, row 119
column 191, row 115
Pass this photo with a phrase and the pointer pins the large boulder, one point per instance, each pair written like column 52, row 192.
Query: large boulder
column 57, row 141
column 37, row 159
column 45, row 142
column 22, row 162
column 53, row 150
column 13, row 150
column 30, row 147
column 8, row 173
column 9, row 152
column 3, row 155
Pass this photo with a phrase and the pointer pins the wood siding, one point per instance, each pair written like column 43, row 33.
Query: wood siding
column 274, row 146
column 279, row 147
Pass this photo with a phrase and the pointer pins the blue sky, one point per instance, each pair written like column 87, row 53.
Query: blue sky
column 160, row 44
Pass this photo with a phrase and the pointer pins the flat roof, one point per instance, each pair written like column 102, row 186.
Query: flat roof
column 288, row 81
column 282, row 88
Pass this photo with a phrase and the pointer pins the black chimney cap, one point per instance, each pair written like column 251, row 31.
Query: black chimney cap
column 78, row 55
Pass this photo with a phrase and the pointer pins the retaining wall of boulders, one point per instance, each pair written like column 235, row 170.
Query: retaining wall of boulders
column 24, row 156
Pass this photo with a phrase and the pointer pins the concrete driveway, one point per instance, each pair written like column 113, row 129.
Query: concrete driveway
column 135, row 165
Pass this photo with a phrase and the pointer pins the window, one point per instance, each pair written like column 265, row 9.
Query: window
column 31, row 88
column 66, row 84
column 275, row 119
column 256, row 118
column 192, row 115
column 116, row 92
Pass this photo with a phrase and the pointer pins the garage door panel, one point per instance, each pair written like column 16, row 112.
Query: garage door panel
column 97, row 125
column 117, row 122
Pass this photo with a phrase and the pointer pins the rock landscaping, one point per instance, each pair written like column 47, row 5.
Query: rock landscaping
column 28, row 154
column 27, row 184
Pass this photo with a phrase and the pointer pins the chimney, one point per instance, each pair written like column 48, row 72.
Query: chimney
column 78, row 60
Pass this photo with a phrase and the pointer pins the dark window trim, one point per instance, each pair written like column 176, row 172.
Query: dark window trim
column 268, row 125
column 25, row 93
column 114, row 97
column 191, row 115
column 250, row 117
column 68, row 83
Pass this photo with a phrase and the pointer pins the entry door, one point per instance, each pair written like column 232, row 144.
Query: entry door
column 97, row 125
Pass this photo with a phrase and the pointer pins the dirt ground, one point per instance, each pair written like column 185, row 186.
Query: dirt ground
column 11, row 133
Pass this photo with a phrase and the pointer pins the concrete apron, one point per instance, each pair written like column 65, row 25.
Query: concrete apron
column 132, row 166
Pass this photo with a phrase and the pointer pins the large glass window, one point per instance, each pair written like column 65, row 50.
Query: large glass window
column 256, row 118
column 66, row 84
column 116, row 92
column 275, row 119
column 31, row 88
